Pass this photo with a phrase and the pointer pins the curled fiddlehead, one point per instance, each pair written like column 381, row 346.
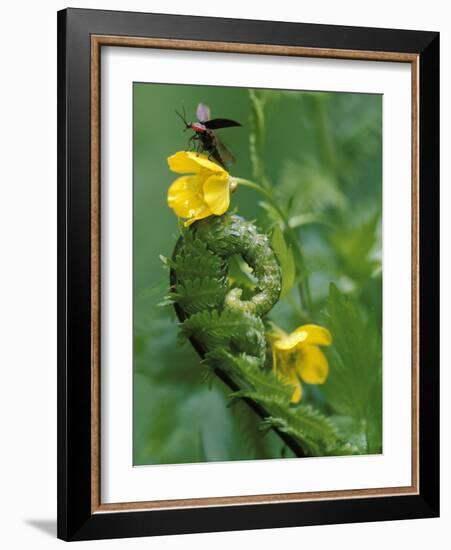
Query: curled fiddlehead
column 226, row 324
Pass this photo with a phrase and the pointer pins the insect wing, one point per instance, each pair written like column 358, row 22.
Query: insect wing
column 226, row 156
column 218, row 123
column 203, row 112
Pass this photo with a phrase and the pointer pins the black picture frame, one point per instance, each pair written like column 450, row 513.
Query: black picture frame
column 76, row 519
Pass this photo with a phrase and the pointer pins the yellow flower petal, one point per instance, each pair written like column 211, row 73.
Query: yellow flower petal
column 312, row 365
column 314, row 334
column 290, row 341
column 274, row 359
column 185, row 196
column 293, row 380
column 276, row 333
column 297, row 394
column 217, row 193
column 184, row 162
column 199, row 214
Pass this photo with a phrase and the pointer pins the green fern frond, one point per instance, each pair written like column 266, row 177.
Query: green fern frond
column 230, row 328
column 195, row 260
column 195, row 295
column 251, row 375
column 316, row 433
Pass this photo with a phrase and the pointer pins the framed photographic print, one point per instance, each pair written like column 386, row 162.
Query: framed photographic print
column 248, row 274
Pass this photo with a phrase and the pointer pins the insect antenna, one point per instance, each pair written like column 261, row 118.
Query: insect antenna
column 183, row 117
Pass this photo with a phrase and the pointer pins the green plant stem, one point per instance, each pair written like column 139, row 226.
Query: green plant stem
column 303, row 285
column 326, row 143
column 258, row 138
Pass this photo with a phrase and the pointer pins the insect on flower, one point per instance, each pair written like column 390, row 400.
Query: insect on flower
column 205, row 138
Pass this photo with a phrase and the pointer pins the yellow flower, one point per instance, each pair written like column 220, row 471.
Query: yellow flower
column 297, row 357
column 205, row 192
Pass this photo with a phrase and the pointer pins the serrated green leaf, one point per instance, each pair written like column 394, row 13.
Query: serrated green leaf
column 194, row 260
column 317, row 435
column 354, row 385
column 198, row 294
column 314, row 431
column 230, row 328
column 285, row 257
column 354, row 245
column 352, row 431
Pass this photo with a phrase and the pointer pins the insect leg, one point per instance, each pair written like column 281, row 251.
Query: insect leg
column 191, row 142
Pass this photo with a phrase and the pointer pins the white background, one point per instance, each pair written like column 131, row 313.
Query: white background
column 28, row 273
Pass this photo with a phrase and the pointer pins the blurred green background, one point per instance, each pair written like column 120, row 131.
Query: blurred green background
column 323, row 153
